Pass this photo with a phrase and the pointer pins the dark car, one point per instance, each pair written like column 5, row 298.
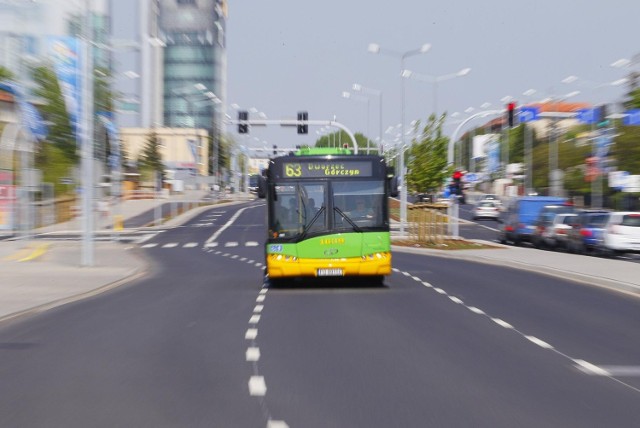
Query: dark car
column 544, row 223
column 586, row 233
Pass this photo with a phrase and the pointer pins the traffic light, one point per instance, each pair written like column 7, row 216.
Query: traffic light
column 602, row 113
column 243, row 116
column 456, row 185
column 303, row 128
column 510, row 112
column 275, row 150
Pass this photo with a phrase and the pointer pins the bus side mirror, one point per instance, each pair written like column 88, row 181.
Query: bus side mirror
column 393, row 186
column 262, row 187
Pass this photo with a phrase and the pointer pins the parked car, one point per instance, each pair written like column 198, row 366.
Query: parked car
column 542, row 235
column 622, row 233
column 486, row 209
column 556, row 236
column 521, row 215
column 587, row 231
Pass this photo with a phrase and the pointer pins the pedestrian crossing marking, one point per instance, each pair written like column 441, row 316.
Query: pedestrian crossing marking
column 191, row 245
column 170, row 245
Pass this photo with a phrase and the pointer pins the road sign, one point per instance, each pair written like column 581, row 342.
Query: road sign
column 588, row 116
column 529, row 114
column 632, row 117
column 470, row 177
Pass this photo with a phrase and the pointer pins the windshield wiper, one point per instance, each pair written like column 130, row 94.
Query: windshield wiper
column 306, row 228
column 346, row 217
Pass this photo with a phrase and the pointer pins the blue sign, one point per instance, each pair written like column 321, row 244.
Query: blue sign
column 529, row 114
column 29, row 115
column 588, row 116
column 65, row 54
column 471, row 177
column 632, row 117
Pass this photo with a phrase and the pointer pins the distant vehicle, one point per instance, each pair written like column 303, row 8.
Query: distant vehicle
column 586, row 231
column 254, row 183
column 542, row 234
column 490, row 197
column 622, row 233
column 519, row 223
column 486, row 209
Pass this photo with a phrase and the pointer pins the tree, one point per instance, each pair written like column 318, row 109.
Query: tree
column 340, row 138
column 427, row 163
column 149, row 160
column 6, row 74
column 54, row 111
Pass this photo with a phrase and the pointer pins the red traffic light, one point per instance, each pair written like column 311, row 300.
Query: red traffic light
column 457, row 175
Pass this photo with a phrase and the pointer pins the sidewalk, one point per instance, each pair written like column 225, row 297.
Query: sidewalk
column 36, row 275
column 39, row 274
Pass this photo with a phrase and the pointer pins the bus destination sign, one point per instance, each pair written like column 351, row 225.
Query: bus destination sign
column 327, row 168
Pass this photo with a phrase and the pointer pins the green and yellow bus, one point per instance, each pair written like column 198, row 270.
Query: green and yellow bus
column 328, row 215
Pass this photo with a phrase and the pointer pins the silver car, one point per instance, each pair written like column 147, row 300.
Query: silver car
column 486, row 209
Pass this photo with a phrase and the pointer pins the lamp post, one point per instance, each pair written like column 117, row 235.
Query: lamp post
column 408, row 74
column 350, row 96
column 376, row 49
column 377, row 92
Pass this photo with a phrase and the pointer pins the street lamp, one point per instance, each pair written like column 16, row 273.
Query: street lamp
column 408, row 74
column 358, row 87
column 376, row 49
column 350, row 96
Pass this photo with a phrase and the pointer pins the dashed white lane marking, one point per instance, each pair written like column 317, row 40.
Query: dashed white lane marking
column 255, row 319
column 264, row 291
column 258, row 309
column 622, row 370
column 191, row 245
column 251, row 334
column 170, row 245
column 257, row 386
column 612, row 372
column 251, row 244
column 540, row 343
column 502, row 323
column 590, row 368
column 235, row 256
column 149, row 245
column 231, row 244
column 210, row 244
column 243, row 259
column 260, row 298
column 277, row 424
column 415, row 278
column 253, row 354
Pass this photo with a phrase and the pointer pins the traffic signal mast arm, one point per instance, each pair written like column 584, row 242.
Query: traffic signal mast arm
column 296, row 123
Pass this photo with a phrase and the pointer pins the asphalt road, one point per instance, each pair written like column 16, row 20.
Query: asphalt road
column 201, row 342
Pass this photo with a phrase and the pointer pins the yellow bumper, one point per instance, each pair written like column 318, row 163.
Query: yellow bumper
column 280, row 266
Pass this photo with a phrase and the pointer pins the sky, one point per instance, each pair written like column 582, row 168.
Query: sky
column 286, row 56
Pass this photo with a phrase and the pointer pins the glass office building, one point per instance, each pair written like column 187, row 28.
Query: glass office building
column 194, row 62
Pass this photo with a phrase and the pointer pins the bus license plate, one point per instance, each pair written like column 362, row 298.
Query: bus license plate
column 330, row 272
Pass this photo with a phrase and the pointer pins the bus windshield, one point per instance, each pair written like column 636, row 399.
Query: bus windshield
column 303, row 208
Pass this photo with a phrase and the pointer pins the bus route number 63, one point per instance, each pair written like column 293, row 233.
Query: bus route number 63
column 293, row 170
